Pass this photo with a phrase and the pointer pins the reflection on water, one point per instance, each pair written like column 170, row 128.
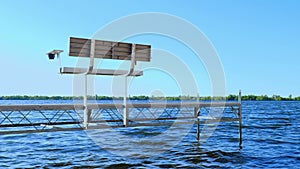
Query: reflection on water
column 270, row 140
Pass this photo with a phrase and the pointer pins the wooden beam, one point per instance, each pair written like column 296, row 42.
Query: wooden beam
column 108, row 50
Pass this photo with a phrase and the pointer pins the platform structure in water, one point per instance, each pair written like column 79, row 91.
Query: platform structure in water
column 17, row 119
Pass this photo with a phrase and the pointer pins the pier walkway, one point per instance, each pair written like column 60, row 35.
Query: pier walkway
column 17, row 119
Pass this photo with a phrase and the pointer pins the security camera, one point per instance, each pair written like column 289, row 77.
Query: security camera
column 51, row 55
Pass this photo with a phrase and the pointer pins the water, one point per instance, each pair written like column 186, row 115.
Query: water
column 271, row 139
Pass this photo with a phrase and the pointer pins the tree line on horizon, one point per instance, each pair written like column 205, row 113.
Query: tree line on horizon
column 170, row 98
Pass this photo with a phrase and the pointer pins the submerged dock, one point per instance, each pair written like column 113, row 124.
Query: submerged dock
column 18, row 119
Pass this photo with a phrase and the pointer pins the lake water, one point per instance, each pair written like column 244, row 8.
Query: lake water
column 271, row 139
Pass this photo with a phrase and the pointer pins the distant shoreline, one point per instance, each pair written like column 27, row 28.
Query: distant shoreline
column 174, row 98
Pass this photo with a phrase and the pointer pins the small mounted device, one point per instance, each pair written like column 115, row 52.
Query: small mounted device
column 51, row 55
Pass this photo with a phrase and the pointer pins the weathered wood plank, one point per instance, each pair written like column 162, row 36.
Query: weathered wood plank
column 81, row 47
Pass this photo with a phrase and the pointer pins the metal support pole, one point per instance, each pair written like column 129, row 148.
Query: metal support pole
column 87, row 112
column 240, row 118
column 240, row 96
column 197, row 115
column 133, row 62
column 125, row 111
column 92, row 55
column 196, row 111
column 85, row 103
column 59, row 62
column 198, row 126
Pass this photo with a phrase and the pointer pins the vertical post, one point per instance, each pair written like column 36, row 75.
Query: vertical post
column 92, row 55
column 59, row 61
column 85, row 103
column 125, row 111
column 197, row 115
column 196, row 111
column 240, row 97
column 133, row 62
column 87, row 112
column 196, row 108
column 198, row 126
column 240, row 118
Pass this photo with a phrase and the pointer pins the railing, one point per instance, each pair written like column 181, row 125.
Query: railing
column 15, row 119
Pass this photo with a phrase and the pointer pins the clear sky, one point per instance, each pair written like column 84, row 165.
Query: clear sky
column 258, row 42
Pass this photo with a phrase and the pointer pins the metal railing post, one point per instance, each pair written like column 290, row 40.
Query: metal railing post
column 125, row 111
column 240, row 119
column 85, row 103
column 133, row 62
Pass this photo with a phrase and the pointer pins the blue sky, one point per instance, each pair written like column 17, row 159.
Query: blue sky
column 258, row 42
